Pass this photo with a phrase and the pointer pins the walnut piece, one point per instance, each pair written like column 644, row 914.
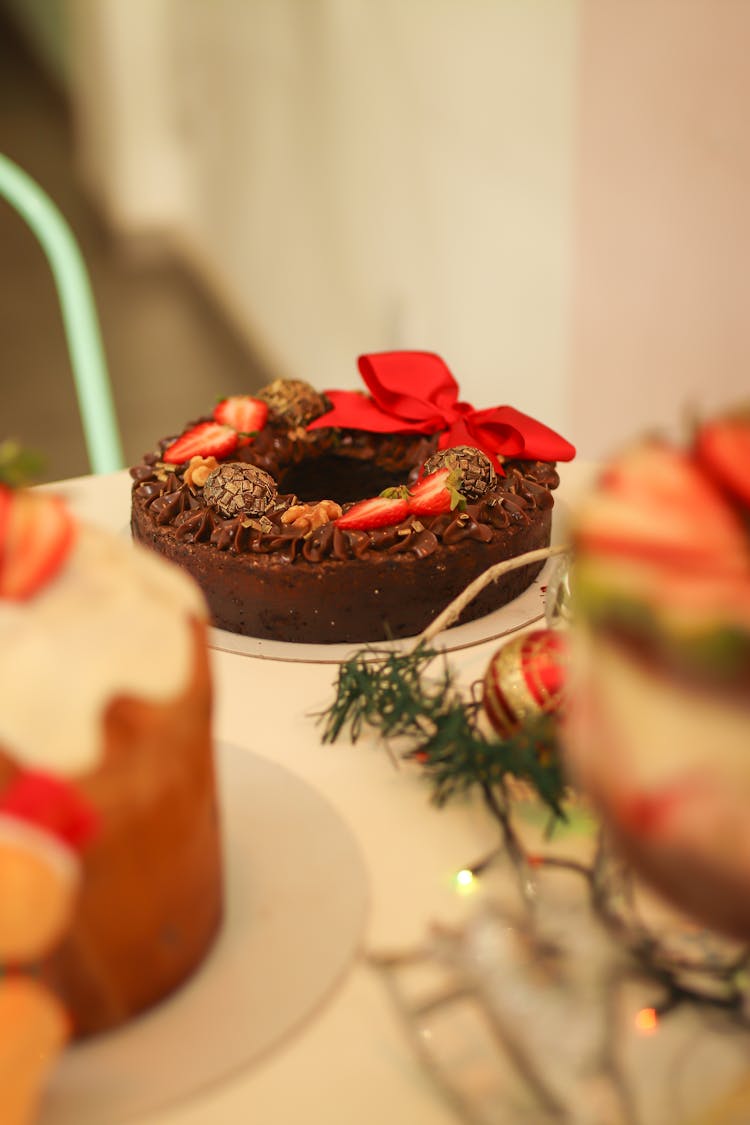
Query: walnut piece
column 198, row 471
column 306, row 517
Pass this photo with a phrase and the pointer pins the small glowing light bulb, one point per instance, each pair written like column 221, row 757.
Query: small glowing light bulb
column 647, row 1021
column 465, row 880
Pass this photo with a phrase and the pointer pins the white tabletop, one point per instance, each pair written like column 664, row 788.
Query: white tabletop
column 351, row 1062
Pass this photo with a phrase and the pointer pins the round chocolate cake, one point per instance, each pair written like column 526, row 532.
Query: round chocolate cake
column 299, row 528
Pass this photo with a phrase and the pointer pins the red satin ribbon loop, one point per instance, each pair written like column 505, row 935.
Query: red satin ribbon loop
column 415, row 392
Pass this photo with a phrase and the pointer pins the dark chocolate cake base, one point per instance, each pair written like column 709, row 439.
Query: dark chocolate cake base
column 364, row 599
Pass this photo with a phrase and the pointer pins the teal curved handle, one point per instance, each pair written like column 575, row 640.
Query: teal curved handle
column 87, row 358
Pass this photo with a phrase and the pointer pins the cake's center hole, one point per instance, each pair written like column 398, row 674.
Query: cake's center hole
column 342, row 479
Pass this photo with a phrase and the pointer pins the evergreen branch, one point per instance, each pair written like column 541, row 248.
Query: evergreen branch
column 378, row 689
column 387, row 692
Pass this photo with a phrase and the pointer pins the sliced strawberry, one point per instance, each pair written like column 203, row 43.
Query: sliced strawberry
column 654, row 504
column 37, row 534
column 244, row 414
column 723, row 448
column 435, row 493
column 207, row 439
column 380, row 511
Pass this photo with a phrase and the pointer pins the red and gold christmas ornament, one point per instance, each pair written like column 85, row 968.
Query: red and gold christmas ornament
column 525, row 679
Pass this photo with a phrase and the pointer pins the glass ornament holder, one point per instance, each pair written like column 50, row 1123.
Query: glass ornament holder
column 560, row 1000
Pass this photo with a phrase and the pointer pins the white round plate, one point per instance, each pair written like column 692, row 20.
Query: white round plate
column 296, row 893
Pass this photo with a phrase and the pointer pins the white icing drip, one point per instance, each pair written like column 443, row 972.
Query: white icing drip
column 115, row 622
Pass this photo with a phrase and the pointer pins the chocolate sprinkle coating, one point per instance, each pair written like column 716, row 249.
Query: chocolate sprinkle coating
column 238, row 489
column 475, row 470
column 295, row 402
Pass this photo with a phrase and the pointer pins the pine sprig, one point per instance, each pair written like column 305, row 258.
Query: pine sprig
column 390, row 694
column 461, row 756
column 382, row 690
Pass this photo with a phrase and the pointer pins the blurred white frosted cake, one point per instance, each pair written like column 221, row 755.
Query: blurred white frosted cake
column 659, row 718
column 106, row 757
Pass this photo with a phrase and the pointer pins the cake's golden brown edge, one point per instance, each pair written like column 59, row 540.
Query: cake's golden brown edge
column 150, row 902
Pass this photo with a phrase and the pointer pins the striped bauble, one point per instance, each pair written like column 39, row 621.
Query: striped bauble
column 525, row 679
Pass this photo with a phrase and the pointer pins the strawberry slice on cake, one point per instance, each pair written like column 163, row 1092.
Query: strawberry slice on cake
column 431, row 496
column 436, row 493
column 206, row 439
column 244, row 414
column 379, row 511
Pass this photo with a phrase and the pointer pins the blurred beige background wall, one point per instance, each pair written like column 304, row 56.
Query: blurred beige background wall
column 661, row 244
column 548, row 192
column 45, row 23
column 351, row 175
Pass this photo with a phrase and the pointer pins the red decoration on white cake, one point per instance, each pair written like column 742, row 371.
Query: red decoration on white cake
column 51, row 805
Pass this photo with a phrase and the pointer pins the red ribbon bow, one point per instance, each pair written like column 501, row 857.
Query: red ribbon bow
column 415, row 393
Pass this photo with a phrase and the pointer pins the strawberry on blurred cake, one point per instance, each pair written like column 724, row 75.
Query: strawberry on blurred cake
column 658, row 728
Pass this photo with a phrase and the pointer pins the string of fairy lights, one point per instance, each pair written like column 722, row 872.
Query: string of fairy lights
column 410, row 699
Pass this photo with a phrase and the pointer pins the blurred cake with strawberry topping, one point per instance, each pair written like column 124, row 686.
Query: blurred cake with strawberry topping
column 659, row 715
column 350, row 516
column 108, row 809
